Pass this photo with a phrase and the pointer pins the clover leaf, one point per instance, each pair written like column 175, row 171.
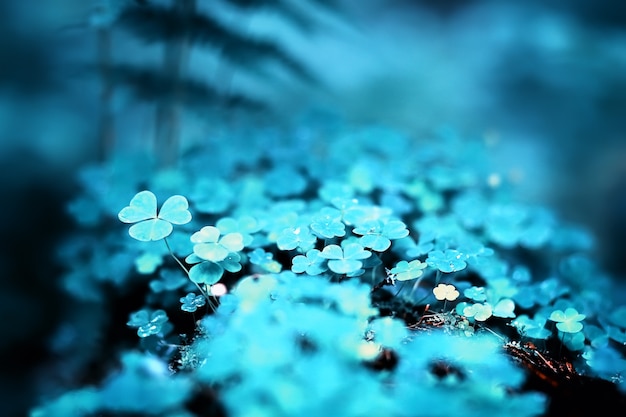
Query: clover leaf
column 446, row 292
column 151, row 224
column 377, row 234
column 327, row 223
column 244, row 225
column 148, row 322
column 211, row 247
column 311, row 263
column 296, row 237
column 265, row 260
column 191, row 302
column 208, row 272
column 475, row 293
column 504, row 308
column 449, row 260
column 345, row 259
column 358, row 214
column 480, row 312
column 533, row 328
column 406, row 271
column 473, row 248
column 568, row 321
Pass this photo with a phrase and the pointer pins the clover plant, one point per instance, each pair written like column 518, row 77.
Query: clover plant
column 148, row 224
column 345, row 259
column 406, row 271
column 148, row 322
column 293, row 269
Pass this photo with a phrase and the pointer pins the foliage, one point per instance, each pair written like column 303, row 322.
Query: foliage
column 321, row 300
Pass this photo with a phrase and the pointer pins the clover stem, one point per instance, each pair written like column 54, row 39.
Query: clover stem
column 400, row 289
column 169, row 249
column 373, row 275
column 492, row 332
column 415, row 287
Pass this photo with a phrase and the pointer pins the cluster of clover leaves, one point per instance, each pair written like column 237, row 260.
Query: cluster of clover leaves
column 285, row 268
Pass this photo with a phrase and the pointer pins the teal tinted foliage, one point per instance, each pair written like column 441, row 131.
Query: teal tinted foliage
column 406, row 271
column 191, row 302
column 150, row 224
column 345, row 259
column 327, row 223
column 343, row 292
column 311, row 263
column 377, row 235
column 450, row 260
column 148, row 322
column 568, row 321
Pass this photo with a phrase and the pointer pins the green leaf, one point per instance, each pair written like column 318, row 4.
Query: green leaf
column 344, row 266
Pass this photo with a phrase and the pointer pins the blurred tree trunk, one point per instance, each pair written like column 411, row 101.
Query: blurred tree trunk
column 106, row 128
column 168, row 111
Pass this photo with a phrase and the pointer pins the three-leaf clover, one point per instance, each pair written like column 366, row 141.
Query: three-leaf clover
column 296, row 237
column 147, row 322
column 191, row 302
column 211, row 247
column 480, row 312
column 377, row 234
column 475, row 293
column 449, row 261
column 446, row 292
column 151, row 224
column 504, row 308
column 327, row 223
column 345, row 259
column 311, row 263
column 568, row 321
column 406, row 271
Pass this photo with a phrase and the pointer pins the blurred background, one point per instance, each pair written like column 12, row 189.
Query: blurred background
column 81, row 80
